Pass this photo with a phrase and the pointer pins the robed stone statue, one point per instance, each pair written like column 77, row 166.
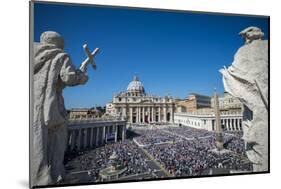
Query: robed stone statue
column 53, row 71
column 247, row 79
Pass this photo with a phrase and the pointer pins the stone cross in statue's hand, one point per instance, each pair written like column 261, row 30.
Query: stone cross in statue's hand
column 89, row 59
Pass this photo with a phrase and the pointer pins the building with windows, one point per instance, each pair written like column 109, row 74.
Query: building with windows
column 139, row 107
column 204, row 117
column 228, row 103
column 84, row 113
column 193, row 102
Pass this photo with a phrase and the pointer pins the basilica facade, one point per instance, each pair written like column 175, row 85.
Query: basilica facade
column 139, row 107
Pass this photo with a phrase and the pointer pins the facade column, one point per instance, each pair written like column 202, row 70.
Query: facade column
column 115, row 132
column 153, row 114
column 123, row 132
column 79, row 140
column 138, row 115
column 148, row 111
column 124, row 112
column 143, row 120
column 165, row 114
column 131, row 115
column 159, row 114
column 172, row 114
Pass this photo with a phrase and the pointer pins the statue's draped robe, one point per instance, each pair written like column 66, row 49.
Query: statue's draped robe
column 53, row 71
column 247, row 79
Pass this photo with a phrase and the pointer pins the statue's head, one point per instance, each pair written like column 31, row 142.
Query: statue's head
column 251, row 33
column 51, row 37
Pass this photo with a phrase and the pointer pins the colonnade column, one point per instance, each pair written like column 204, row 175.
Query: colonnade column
column 97, row 136
column 103, row 135
column 91, row 137
column 240, row 124
column 227, row 124
column 85, row 133
column 79, row 140
column 72, row 142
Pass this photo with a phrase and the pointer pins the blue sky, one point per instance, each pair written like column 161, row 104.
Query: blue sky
column 172, row 52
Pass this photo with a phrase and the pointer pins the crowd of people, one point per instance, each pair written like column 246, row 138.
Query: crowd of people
column 128, row 155
column 192, row 154
column 192, row 157
column 153, row 136
column 182, row 151
column 189, row 132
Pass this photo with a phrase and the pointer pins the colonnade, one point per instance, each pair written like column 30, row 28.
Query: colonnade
column 91, row 136
column 229, row 124
column 232, row 124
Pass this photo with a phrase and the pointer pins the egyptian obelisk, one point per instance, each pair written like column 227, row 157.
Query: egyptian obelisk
column 219, row 139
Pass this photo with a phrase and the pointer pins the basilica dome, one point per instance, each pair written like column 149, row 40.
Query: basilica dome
column 136, row 86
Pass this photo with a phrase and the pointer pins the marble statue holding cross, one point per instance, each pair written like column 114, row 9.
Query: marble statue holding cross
column 52, row 72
